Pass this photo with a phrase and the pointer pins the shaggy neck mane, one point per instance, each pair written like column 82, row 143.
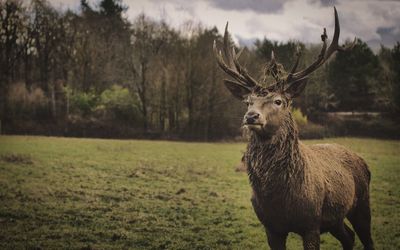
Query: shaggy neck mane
column 275, row 158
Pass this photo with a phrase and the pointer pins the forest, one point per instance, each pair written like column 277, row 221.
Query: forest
column 91, row 72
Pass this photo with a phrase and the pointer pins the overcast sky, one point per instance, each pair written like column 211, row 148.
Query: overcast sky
column 376, row 22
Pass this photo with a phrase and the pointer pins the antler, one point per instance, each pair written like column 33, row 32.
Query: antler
column 323, row 55
column 274, row 68
column 232, row 67
column 293, row 70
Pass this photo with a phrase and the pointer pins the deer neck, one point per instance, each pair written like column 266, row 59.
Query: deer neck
column 274, row 162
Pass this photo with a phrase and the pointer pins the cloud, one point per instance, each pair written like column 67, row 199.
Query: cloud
column 271, row 6
column 248, row 42
column 389, row 35
column 368, row 20
column 62, row 4
column 329, row 2
column 373, row 21
column 326, row 2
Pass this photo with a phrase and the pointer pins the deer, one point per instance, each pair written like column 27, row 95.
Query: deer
column 297, row 188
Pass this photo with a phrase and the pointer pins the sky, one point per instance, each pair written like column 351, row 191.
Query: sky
column 374, row 21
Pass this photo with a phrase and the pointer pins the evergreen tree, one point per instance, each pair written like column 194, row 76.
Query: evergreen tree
column 112, row 7
column 395, row 65
column 352, row 77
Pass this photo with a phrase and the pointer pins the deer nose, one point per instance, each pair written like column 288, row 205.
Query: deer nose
column 251, row 117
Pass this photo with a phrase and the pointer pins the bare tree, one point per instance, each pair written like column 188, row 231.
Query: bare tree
column 146, row 44
column 13, row 34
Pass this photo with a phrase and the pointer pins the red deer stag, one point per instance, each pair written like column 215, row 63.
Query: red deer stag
column 297, row 188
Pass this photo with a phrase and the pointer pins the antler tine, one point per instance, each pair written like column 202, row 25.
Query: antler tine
column 335, row 40
column 250, row 81
column 294, row 67
column 227, row 47
column 236, row 56
column 273, row 67
column 348, row 46
column 298, row 55
column 315, row 64
column 325, row 53
column 226, row 68
column 232, row 66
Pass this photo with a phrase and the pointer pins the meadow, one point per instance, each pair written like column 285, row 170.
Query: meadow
column 67, row 193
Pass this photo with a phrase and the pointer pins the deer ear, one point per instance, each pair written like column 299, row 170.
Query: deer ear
column 295, row 88
column 239, row 91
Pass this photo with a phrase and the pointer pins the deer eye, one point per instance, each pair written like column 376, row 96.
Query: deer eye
column 278, row 102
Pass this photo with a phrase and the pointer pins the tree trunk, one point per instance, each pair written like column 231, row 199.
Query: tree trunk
column 162, row 111
column 211, row 102
column 189, row 94
column 142, row 95
column 53, row 101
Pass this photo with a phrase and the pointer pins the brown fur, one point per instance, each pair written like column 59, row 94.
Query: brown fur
column 297, row 188
column 308, row 189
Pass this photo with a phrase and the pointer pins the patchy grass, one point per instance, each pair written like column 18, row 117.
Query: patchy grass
column 16, row 158
column 59, row 193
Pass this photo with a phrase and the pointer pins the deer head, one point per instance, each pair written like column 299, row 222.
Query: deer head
column 269, row 107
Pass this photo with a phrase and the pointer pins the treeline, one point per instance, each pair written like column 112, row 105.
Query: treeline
column 94, row 73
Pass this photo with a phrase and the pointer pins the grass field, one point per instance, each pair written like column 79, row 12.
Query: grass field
column 60, row 193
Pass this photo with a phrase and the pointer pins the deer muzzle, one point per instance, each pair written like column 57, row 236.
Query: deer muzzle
column 252, row 118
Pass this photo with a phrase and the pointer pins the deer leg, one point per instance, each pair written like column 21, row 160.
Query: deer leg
column 345, row 235
column 258, row 210
column 311, row 240
column 276, row 241
column 361, row 221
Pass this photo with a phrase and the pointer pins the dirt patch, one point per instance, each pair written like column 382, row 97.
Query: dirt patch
column 180, row 191
column 17, row 158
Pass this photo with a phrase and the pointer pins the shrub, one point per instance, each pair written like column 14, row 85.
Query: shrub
column 379, row 127
column 299, row 117
column 119, row 103
column 312, row 131
column 18, row 93
column 37, row 98
column 24, row 102
column 83, row 103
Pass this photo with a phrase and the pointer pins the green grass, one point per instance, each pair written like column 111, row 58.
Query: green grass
column 60, row 193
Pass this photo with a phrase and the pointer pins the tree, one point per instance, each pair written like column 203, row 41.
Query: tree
column 158, row 79
column 385, row 95
column 145, row 45
column 284, row 52
column 13, row 34
column 316, row 97
column 352, row 77
column 111, row 8
column 395, row 66
column 48, row 32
